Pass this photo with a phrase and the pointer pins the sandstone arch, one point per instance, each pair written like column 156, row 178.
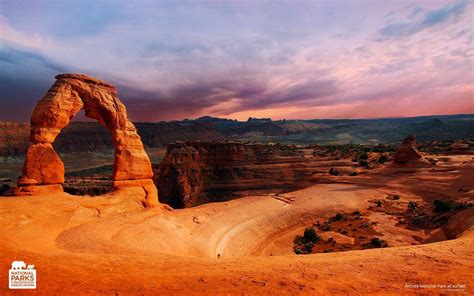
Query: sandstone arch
column 43, row 170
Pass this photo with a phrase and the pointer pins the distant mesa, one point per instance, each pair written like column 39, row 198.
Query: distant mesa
column 43, row 170
column 254, row 119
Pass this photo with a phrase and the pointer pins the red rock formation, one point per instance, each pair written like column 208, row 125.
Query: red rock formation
column 460, row 147
column 194, row 173
column 407, row 151
column 69, row 94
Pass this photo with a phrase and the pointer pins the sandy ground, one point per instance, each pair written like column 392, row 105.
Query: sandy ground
column 111, row 245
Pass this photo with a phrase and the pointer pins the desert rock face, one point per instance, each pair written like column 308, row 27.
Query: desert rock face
column 69, row 94
column 193, row 173
column 407, row 151
column 460, row 147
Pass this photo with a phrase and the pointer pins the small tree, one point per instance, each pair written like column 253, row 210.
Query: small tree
column 310, row 235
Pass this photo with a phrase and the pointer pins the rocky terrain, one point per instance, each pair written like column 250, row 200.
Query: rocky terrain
column 193, row 173
column 90, row 136
column 246, row 245
column 249, row 218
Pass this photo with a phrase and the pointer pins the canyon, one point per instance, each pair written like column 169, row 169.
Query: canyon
column 225, row 216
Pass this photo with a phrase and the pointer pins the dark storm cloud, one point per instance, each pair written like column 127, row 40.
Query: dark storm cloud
column 11, row 55
column 190, row 100
column 19, row 89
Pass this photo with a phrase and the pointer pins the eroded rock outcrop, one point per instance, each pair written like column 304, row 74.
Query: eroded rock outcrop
column 460, row 147
column 407, row 151
column 43, row 170
column 194, row 173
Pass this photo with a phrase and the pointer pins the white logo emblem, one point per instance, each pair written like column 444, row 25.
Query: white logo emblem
column 22, row 276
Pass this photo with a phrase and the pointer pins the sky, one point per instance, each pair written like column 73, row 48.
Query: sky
column 296, row 59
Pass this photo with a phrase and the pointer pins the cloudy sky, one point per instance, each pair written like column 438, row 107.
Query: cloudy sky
column 235, row 59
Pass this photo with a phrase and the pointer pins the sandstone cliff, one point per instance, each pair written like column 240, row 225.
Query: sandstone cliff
column 194, row 173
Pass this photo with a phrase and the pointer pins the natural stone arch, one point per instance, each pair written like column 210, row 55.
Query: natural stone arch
column 43, row 170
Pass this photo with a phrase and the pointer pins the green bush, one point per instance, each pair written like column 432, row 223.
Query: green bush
column 377, row 243
column 326, row 226
column 333, row 172
column 356, row 213
column 382, row 159
column 412, row 205
column 353, row 174
column 339, row 217
column 440, row 206
column 310, row 235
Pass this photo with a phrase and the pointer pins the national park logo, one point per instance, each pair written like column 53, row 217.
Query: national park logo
column 22, row 276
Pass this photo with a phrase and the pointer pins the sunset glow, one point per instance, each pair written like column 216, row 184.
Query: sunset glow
column 236, row 59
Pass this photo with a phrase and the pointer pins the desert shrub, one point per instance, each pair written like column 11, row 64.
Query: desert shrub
column 417, row 221
column 327, row 251
column 364, row 156
column 339, row 217
column 393, row 197
column 334, row 172
column 412, row 205
column 377, row 243
column 326, row 226
column 4, row 188
column 310, row 235
column 364, row 163
column 304, row 244
column 353, row 174
column 382, row 159
column 440, row 206
column 308, row 247
column 356, row 213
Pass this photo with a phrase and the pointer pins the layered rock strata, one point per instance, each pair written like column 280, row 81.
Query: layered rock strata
column 193, row 173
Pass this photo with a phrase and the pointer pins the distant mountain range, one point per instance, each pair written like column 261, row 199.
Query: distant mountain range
column 90, row 136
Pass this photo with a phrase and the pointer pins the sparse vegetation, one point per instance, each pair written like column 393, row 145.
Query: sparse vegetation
column 412, row 205
column 358, row 231
column 304, row 244
column 356, row 213
column 326, row 226
column 393, row 197
column 364, row 163
column 440, row 206
column 377, row 243
column 382, row 159
column 333, row 172
column 310, row 235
